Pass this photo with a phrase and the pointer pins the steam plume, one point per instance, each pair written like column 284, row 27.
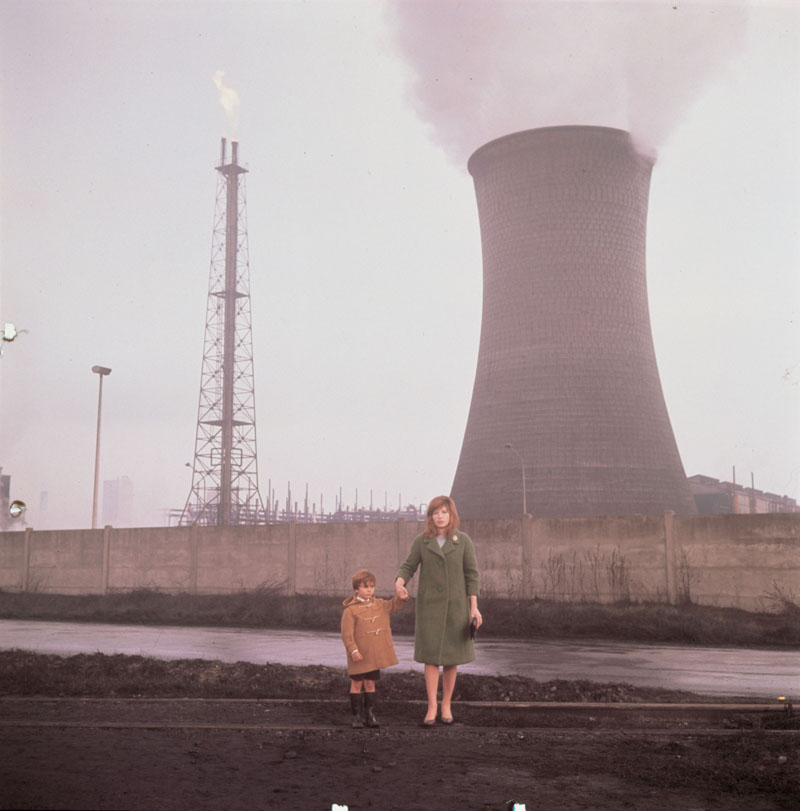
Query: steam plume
column 229, row 99
column 486, row 69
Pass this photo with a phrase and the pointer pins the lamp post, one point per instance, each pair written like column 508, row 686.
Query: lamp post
column 100, row 371
column 522, row 462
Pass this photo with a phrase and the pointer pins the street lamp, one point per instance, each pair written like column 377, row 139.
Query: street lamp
column 101, row 371
column 522, row 462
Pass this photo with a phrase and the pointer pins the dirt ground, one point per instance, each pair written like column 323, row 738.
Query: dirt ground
column 281, row 755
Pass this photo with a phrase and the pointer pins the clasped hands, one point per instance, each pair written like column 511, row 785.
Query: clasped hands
column 400, row 589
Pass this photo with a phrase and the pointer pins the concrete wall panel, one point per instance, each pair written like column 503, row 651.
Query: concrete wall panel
column 150, row 558
column 12, row 561
column 66, row 561
column 323, row 566
column 745, row 561
column 241, row 558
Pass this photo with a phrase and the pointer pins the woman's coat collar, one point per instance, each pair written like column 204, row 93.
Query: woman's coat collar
column 452, row 543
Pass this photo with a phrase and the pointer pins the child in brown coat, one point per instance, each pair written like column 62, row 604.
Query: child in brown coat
column 367, row 638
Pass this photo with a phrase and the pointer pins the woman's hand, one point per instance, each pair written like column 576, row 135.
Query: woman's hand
column 400, row 588
column 474, row 614
column 357, row 657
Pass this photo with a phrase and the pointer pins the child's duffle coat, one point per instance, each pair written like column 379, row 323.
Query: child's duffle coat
column 365, row 627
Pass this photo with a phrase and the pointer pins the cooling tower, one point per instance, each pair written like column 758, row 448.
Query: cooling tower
column 566, row 368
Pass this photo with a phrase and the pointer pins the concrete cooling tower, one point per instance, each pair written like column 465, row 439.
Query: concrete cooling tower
column 566, row 368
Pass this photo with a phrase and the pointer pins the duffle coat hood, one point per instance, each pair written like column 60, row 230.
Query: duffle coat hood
column 447, row 577
column 366, row 628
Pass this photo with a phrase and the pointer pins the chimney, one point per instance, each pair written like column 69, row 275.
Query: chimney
column 566, row 368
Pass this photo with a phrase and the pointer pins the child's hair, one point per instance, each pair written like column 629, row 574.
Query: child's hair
column 363, row 577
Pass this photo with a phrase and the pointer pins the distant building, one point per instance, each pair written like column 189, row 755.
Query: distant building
column 118, row 502
column 714, row 497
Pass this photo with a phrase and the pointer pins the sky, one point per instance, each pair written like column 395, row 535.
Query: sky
column 355, row 121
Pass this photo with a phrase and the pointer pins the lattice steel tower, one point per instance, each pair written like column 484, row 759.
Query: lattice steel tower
column 225, row 471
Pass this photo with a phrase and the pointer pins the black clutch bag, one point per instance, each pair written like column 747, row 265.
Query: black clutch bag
column 473, row 628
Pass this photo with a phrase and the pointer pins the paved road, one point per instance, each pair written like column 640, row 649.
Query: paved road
column 738, row 672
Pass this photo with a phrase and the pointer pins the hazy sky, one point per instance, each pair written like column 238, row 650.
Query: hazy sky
column 355, row 121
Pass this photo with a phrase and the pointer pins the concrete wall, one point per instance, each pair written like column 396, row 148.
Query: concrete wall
column 746, row 561
column 737, row 559
column 598, row 559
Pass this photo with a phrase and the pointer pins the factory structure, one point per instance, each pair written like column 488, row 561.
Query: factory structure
column 715, row 497
column 224, row 488
column 567, row 415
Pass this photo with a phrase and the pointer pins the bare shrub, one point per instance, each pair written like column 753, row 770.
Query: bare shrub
column 271, row 588
column 36, row 584
column 595, row 564
column 619, row 577
column 782, row 598
column 512, row 585
column 596, row 576
column 554, row 577
column 330, row 578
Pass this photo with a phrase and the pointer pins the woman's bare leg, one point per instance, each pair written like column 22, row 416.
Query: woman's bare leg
column 432, row 689
column 449, row 674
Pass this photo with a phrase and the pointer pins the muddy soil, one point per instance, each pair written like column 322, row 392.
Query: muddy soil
column 118, row 732
column 283, row 755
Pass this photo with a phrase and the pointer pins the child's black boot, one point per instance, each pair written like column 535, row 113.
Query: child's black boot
column 355, row 706
column 369, row 706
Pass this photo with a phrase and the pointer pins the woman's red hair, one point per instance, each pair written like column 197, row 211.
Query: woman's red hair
column 431, row 530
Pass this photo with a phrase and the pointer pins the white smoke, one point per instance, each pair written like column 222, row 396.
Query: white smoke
column 485, row 69
column 229, row 99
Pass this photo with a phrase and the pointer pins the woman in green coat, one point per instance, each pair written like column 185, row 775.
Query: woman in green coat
column 447, row 601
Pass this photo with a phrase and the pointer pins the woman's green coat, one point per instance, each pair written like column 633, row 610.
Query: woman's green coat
column 447, row 577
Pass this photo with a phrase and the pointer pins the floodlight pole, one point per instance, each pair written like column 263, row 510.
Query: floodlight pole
column 101, row 372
